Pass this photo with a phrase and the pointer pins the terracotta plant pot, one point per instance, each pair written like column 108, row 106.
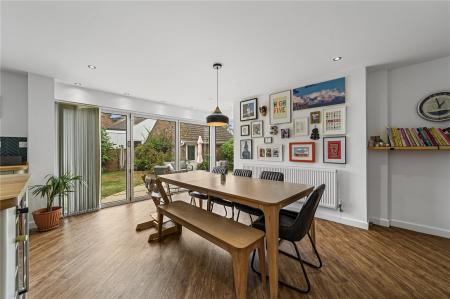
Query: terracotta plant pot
column 47, row 220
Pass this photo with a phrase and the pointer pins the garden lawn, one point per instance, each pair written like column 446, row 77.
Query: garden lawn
column 115, row 181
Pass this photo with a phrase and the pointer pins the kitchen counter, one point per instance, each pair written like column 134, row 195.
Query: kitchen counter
column 14, row 168
column 12, row 189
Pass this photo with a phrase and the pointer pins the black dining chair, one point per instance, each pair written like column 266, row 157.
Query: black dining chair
column 293, row 228
column 226, row 203
column 265, row 175
column 202, row 196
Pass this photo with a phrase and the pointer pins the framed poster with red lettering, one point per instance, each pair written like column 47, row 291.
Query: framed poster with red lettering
column 334, row 150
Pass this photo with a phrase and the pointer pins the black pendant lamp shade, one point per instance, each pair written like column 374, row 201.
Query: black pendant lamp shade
column 217, row 119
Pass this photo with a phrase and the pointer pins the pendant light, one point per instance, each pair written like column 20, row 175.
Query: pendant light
column 217, row 119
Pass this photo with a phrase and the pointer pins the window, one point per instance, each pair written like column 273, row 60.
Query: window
column 191, row 152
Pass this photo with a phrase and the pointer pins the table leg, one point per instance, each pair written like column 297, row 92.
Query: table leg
column 271, row 215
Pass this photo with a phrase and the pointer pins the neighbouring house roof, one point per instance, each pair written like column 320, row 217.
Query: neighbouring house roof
column 189, row 132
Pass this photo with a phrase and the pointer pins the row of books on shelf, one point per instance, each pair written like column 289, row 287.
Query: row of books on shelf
column 412, row 137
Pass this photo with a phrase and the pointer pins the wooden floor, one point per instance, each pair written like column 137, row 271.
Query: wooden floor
column 100, row 255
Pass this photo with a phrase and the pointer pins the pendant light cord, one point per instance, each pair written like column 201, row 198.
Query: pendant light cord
column 217, row 98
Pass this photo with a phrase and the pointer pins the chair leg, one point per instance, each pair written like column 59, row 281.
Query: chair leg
column 251, row 219
column 226, row 212
column 160, row 223
column 232, row 213
column 237, row 217
column 193, row 201
column 262, row 262
column 306, row 262
column 298, row 258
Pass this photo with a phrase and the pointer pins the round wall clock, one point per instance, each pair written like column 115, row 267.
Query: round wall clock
column 435, row 107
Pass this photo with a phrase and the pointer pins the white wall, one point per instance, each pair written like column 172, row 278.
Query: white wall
column 407, row 189
column 13, row 105
column 41, row 132
column 377, row 164
column 351, row 176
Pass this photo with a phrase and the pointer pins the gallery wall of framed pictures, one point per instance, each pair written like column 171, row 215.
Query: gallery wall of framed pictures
column 306, row 124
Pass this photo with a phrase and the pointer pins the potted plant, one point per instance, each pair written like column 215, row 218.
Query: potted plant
column 56, row 186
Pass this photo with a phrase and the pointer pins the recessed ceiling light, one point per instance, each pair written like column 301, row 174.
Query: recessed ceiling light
column 77, row 84
column 337, row 58
column 127, row 94
column 92, row 67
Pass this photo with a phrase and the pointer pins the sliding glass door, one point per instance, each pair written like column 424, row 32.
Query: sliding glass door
column 114, row 135
column 154, row 145
column 134, row 146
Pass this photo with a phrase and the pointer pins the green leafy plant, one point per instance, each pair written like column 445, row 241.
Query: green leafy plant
column 154, row 151
column 228, row 152
column 57, row 186
column 106, row 147
column 203, row 166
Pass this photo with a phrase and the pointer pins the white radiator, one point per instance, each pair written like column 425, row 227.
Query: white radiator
column 309, row 176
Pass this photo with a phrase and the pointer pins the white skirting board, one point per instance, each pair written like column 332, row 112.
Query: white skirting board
column 421, row 228
column 426, row 229
column 335, row 216
column 380, row 221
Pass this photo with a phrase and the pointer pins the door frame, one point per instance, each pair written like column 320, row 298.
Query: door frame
column 128, row 164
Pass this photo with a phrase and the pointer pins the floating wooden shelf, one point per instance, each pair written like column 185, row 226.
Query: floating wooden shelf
column 409, row 148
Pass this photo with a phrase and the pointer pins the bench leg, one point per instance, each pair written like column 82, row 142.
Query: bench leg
column 179, row 228
column 240, row 270
column 262, row 262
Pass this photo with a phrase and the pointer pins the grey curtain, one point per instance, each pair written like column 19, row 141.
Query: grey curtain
column 79, row 154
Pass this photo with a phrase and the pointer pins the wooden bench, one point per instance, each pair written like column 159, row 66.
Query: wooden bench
column 238, row 239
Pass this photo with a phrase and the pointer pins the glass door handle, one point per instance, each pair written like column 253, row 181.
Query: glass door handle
column 21, row 238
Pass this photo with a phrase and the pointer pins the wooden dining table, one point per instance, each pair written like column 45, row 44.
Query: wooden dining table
column 268, row 196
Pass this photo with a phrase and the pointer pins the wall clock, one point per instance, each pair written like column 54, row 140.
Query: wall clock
column 435, row 107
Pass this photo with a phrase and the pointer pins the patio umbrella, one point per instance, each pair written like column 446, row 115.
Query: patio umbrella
column 199, row 150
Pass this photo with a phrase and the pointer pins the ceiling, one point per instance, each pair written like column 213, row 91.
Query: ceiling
column 165, row 51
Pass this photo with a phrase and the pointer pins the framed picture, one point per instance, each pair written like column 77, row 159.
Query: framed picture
column 272, row 152
column 268, row 140
column 318, row 95
column 249, row 109
column 314, row 117
column 246, row 149
column 280, row 107
column 245, row 130
column 334, row 121
column 334, row 150
column 285, row 133
column 302, row 152
column 257, row 129
column 301, row 126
